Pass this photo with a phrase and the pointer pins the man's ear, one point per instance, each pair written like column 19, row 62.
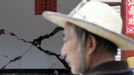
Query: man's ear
column 91, row 45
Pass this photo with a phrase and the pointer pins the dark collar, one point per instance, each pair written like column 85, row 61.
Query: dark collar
column 112, row 67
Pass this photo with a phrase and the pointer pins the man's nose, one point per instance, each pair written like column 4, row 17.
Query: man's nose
column 63, row 52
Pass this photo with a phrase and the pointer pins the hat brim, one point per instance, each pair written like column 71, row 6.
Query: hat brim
column 120, row 40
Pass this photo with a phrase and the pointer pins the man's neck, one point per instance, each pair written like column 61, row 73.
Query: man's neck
column 101, row 57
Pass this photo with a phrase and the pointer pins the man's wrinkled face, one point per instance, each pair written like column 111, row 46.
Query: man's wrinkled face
column 70, row 49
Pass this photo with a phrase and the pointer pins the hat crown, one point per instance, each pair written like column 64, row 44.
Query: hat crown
column 99, row 14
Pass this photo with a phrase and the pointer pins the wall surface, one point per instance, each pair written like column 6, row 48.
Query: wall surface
column 17, row 16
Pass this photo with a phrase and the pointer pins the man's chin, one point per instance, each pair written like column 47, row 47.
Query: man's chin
column 74, row 71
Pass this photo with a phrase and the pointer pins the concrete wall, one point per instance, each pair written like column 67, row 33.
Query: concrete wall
column 17, row 16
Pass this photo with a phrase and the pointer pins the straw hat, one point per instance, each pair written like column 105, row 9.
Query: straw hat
column 95, row 17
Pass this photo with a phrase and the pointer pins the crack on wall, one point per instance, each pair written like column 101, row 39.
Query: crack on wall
column 36, row 43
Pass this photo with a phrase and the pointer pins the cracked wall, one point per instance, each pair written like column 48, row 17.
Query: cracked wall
column 17, row 16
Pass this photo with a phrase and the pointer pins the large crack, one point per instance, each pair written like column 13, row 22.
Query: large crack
column 36, row 43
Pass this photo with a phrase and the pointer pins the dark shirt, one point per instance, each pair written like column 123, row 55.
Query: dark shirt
column 111, row 68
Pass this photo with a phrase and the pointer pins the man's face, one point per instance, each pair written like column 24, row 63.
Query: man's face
column 70, row 49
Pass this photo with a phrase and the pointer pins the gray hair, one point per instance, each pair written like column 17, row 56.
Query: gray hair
column 101, row 42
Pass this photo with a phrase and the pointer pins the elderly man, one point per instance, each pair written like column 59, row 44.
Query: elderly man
column 92, row 35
